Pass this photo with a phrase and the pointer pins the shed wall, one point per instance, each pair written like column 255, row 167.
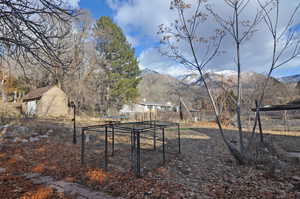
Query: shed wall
column 54, row 103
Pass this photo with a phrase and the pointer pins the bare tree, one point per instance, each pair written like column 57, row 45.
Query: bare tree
column 286, row 42
column 240, row 30
column 28, row 27
column 188, row 29
column 3, row 82
column 202, row 50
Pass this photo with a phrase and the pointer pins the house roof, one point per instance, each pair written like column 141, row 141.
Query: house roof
column 155, row 104
column 36, row 93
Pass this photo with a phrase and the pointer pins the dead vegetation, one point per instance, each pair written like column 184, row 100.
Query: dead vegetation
column 204, row 169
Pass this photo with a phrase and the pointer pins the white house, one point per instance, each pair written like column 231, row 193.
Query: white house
column 148, row 106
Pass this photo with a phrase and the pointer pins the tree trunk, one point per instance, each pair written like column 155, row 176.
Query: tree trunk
column 239, row 87
column 3, row 92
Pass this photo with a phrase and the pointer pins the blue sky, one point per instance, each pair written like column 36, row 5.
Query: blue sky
column 98, row 8
column 101, row 8
column 139, row 19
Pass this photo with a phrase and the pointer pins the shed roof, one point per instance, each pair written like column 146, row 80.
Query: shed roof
column 36, row 93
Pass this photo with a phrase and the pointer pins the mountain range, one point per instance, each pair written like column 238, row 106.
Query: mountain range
column 290, row 79
column 162, row 88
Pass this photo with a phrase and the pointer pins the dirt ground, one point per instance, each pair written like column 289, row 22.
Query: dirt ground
column 204, row 169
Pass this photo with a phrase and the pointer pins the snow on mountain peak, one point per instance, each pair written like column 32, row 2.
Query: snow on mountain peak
column 225, row 72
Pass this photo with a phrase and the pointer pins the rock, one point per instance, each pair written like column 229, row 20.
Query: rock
column 35, row 134
column 11, row 132
column 42, row 180
column 43, row 136
column 290, row 186
column 49, row 131
column 23, row 129
column 16, row 139
column 2, row 170
column 78, row 190
column 66, row 187
column 32, row 175
column 4, row 130
column 33, row 139
column 24, row 140
column 4, row 126
column 296, row 178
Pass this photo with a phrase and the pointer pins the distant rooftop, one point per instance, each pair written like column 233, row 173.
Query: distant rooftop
column 168, row 104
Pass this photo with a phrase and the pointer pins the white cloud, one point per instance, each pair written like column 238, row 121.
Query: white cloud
column 72, row 3
column 152, row 59
column 141, row 13
column 132, row 40
column 115, row 4
column 144, row 17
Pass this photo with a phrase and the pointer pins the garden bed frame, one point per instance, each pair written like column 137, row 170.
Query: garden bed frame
column 135, row 129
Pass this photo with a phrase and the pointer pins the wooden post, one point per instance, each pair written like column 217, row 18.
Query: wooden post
column 259, row 122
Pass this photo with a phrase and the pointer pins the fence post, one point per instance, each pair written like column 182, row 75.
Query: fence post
column 82, row 146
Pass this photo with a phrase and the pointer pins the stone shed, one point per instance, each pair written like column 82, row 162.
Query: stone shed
column 46, row 102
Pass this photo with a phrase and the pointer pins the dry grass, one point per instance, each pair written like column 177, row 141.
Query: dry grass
column 213, row 125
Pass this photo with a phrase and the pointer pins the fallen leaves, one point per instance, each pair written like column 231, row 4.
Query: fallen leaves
column 39, row 168
column 12, row 160
column 41, row 149
column 97, row 175
column 41, row 193
column 198, row 172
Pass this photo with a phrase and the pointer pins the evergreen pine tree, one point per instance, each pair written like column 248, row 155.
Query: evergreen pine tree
column 122, row 66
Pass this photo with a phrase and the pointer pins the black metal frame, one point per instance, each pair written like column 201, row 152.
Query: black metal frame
column 72, row 105
column 135, row 129
column 281, row 107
